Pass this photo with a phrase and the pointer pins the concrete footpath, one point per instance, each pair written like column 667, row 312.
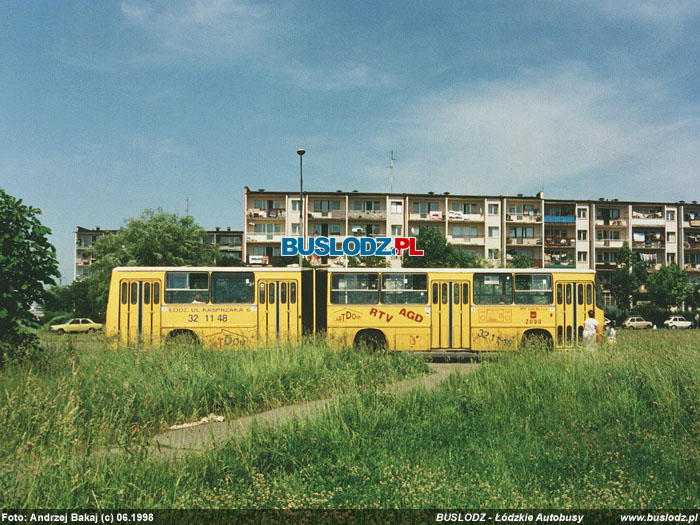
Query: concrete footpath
column 197, row 439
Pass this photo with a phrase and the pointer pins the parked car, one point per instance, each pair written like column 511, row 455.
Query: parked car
column 76, row 326
column 677, row 321
column 636, row 323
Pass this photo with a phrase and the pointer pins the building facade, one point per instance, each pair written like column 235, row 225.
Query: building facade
column 229, row 241
column 554, row 233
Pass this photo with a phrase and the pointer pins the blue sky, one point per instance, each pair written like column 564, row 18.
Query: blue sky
column 108, row 108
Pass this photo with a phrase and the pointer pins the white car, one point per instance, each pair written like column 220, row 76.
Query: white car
column 636, row 323
column 677, row 321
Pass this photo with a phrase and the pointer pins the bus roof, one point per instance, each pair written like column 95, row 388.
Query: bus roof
column 344, row 270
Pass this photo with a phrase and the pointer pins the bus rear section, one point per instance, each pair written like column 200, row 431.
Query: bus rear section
column 217, row 307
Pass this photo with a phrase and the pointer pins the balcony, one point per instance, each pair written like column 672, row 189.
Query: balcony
column 275, row 213
column 457, row 216
column 265, row 237
column 606, row 265
column 427, row 216
column 692, row 267
column 332, row 214
column 523, row 241
column 609, row 243
column 258, row 259
column 560, row 219
column 365, row 215
column 655, row 245
column 466, row 241
column 617, row 223
column 688, row 245
column 512, row 217
column 553, row 263
column 559, row 242
column 649, row 221
column 691, row 223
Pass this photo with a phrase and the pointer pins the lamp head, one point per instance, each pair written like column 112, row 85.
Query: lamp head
column 300, row 152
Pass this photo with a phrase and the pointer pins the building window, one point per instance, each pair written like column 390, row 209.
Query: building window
column 605, row 257
column 263, row 204
column 582, row 256
column 296, row 205
column 582, row 235
column 671, row 236
column 464, row 232
column 396, row 229
column 424, row 207
column 465, row 207
column 493, row 209
column 670, row 215
column 396, row 207
column 493, row 232
column 326, row 229
column 608, row 235
column 671, row 258
column 325, row 206
column 494, row 254
column 295, row 228
column 581, row 213
column 366, row 206
column 267, row 228
column 521, row 232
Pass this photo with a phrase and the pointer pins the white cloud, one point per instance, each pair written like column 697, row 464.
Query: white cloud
column 561, row 131
column 349, row 75
column 205, row 28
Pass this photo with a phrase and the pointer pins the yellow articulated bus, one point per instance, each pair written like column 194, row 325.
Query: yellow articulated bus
column 400, row 309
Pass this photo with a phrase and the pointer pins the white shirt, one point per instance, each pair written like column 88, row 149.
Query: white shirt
column 590, row 327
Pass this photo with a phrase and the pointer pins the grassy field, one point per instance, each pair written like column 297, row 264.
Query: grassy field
column 617, row 428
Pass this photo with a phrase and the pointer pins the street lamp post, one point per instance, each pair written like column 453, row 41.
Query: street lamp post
column 302, row 225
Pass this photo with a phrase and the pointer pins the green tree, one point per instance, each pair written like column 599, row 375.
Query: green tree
column 668, row 286
column 520, row 261
column 626, row 279
column 156, row 238
column 371, row 261
column 437, row 253
column 27, row 264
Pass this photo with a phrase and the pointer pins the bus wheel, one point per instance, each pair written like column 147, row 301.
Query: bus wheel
column 537, row 339
column 372, row 340
column 182, row 337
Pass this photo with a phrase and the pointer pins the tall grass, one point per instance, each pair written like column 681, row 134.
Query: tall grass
column 70, row 400
column 615, row 428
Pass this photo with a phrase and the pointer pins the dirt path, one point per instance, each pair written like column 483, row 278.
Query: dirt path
column 178, row 443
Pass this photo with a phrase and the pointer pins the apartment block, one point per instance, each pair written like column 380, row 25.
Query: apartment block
column 229, row 242
column 554, row 233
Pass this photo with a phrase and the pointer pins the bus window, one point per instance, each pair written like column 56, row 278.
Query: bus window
column 436, row 299
column 283, row 293
column 184, row 287
column 125, row 293
column 568, row 295
column 134, row 293
column 271, row 293
column 292, row 293
column 465, row 293
column 355, row 288
column 533, row 288
column 444, row 293
column 580, row 294
column 232, row 287
column 493, row 288
column 146, row 293
column 456, row 294
column 404, row 288
column 156, row 293
column 589, row 295
column 560, row 296
column 262, row 293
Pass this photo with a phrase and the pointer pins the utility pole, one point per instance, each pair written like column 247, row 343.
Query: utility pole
column 302, row 227
column 391, row 167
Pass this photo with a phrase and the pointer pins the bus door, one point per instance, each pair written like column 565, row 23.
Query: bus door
column 450, row 315
column 139, row 311
column 278, row 311
column 574, row 299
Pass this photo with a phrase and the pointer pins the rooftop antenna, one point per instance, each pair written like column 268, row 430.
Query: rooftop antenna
column 391, row 167
column 187, row 209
